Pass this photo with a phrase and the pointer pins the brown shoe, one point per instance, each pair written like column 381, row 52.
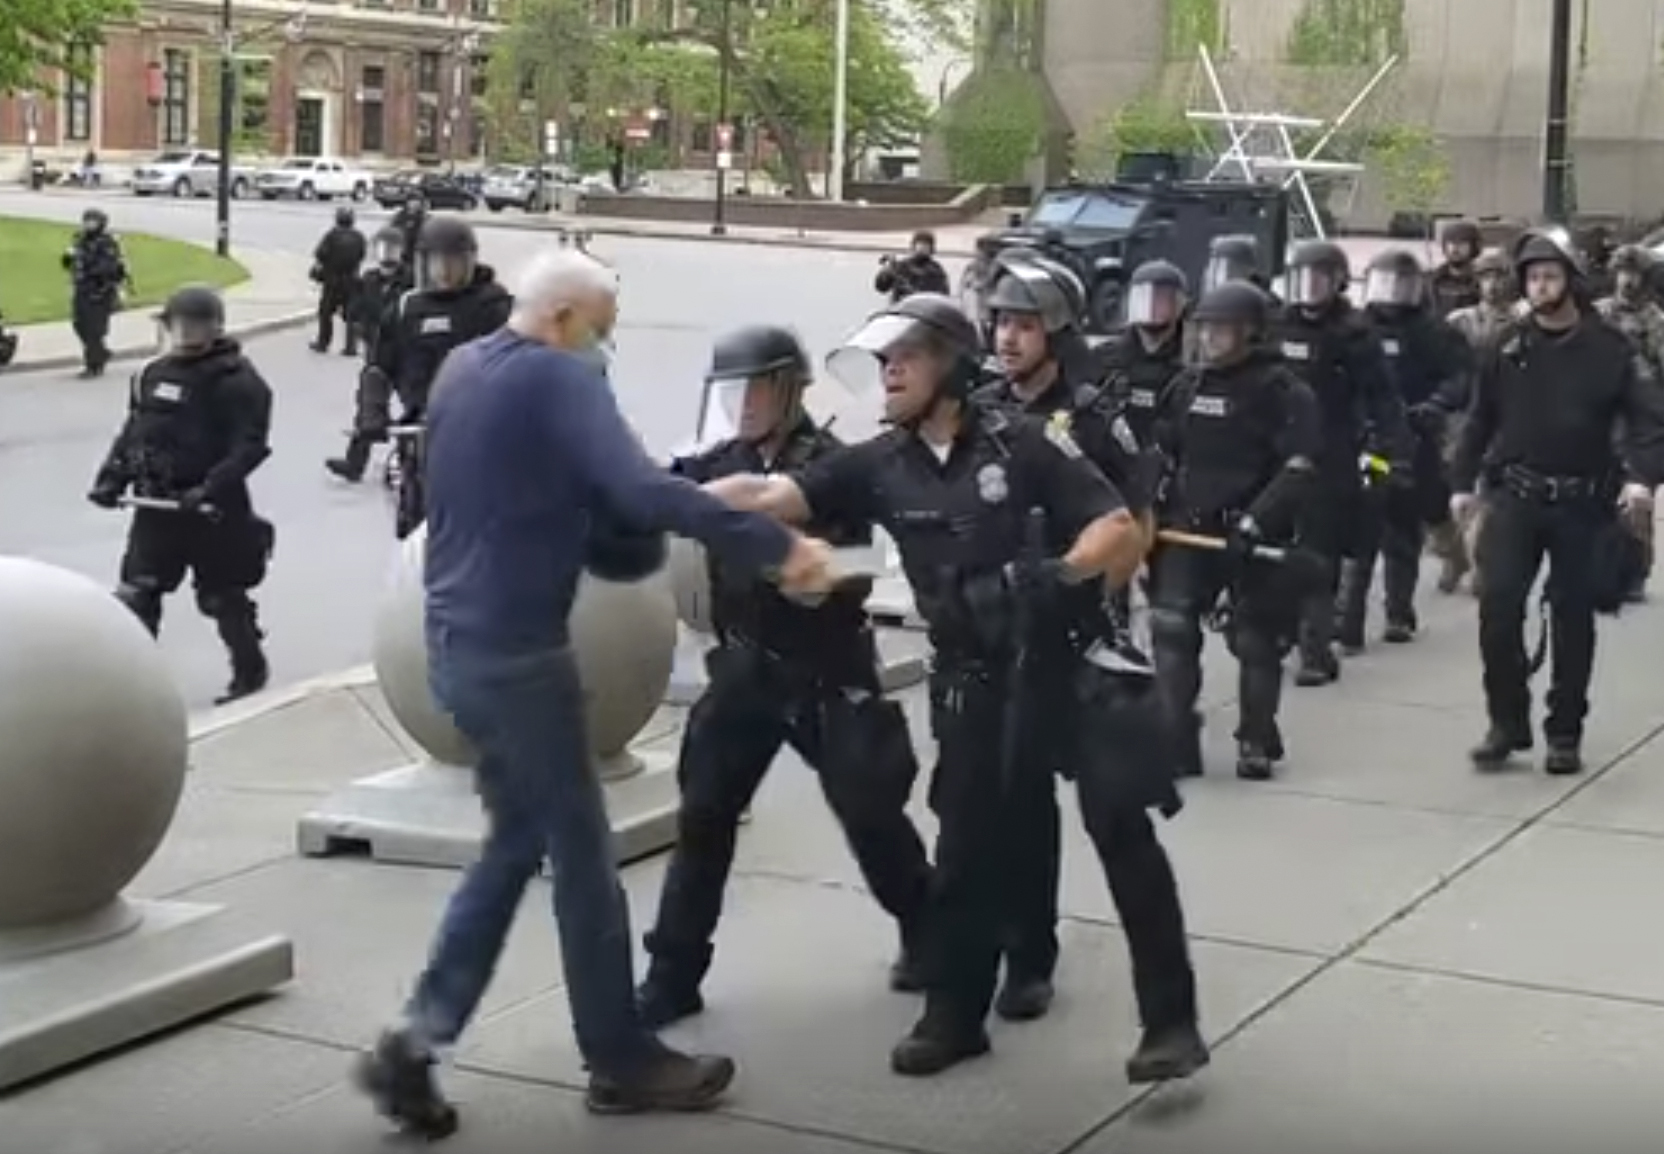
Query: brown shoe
column 670, row 1082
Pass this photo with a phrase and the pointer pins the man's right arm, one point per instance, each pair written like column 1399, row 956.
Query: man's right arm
column 590, row 434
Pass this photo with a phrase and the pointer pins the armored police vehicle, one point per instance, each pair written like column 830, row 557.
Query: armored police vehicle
column 1105, row 231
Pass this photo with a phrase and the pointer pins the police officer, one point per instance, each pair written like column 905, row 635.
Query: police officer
column 198, row 423
column 957, row 487
column 781, row 673
column 97, row 270
column 1633, row 311
column 1494, row 310
column 1597, row 248
column 1141, row 361
column 455, row 300
column 1240, row 434
column 1455, row 282
column 1429, row 362
column 1037, row 307
column 1551, row 398
column 1232, row 258
column 379, row 289
column 409, row 220
column 1331, row 347
column 335, row 265
column 918, row 272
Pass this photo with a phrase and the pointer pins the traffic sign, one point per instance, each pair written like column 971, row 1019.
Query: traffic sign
column 725, row 138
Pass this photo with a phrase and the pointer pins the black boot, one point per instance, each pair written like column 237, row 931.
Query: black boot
column 1563, row 759
column 1253, row 761
column 398, row 1076
column 1498, row 745
column 908, row 973
column 936, row 1044
column 671, row 1081
column 1188, row 762
column 1167, row 1055
column 663, row 1000
column 1352, row 607
column 1318, row 666
column 350, row 466
column 1024, row 997
column 1401, row 627
column 239, row 628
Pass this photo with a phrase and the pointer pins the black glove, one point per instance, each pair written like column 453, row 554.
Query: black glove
column 1040, row 579
column 1428, row 418
column 1244, row 537
column 193, row 500
column 105, row 496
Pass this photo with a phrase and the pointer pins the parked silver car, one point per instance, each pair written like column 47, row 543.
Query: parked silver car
column 188, row 172
column 516, row 186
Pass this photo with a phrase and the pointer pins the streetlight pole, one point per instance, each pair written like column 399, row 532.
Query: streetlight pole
column 1556, row 162
column 840, row 105
column 228, row 98
column 724, row 141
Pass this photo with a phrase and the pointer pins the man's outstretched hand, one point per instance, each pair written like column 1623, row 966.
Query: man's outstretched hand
column 808, row 568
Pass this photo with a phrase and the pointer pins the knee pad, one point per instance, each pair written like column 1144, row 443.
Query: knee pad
column 1173, row 625
column 144, row 603
column 218, row 603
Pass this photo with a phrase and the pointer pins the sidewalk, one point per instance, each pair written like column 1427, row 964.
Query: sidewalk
column 277, row 295
column 957, row 240
column 1396, row 955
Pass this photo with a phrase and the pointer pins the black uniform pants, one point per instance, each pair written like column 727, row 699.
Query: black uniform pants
column 1390, row 533
column 855, row 739
column 1517, row 534
column 90, row 317
column 372, row 414
column 1330, row 534
column 1031, row 946
column 335, row 298
column 1187, row 587
column 225, row 558
column 973, row 797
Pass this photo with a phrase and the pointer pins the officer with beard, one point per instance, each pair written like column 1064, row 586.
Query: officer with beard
column 1455, row 283
column 335, row 265
column 1141, row 361
column 1330, row 346
column 782, row 673
column 918, row 272
column 1036, row 306
column 1633, row 311
column 1554, row 398
column 456, row 299
column 1482, row 321
column 97, row 270
column 965, row 490
column 1240, row 434
column 1429, row 362
column 198, row 423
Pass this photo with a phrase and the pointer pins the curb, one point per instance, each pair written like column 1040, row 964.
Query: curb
column 582, row 225
column 219, row 718
column 134, row 351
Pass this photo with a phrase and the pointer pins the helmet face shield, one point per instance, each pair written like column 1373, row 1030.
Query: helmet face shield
column 444, row 270
column 752, row 408
column 1385, row 286
column 1153, row 305
column 184, row 334
column 1310, row 286
column 1222, row 270
column 388, row 249
column 892, row 364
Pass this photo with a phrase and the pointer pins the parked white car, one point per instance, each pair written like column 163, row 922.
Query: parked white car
column 188, row 172
column 313, row 179
column 516, row 186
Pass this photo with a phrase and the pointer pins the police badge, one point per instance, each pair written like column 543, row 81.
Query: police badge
column 991, row 484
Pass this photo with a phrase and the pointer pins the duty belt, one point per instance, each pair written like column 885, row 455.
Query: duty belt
column 1534, row 486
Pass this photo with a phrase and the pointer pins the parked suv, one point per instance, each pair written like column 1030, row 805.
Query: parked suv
column 188, row 172
column 517, row 186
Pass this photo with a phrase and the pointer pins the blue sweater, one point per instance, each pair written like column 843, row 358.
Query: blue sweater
column 524, row 445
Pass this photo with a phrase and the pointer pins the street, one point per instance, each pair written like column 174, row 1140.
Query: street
column 335, row 541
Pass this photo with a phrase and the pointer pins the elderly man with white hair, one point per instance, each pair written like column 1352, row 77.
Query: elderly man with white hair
column 527, row 455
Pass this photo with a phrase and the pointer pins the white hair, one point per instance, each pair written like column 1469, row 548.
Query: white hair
column 561, row 276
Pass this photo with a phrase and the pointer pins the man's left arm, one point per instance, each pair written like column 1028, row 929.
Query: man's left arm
column 246, row 410
column 1079, row 499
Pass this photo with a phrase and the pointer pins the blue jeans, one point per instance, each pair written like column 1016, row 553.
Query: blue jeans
column 524, row 713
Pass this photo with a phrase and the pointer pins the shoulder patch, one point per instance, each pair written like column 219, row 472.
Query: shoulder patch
column 1057, row 432
column 1123, row 434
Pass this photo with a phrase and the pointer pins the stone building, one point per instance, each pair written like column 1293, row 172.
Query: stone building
column 1475, row 71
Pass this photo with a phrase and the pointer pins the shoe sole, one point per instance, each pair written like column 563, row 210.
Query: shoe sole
column 706, row 1096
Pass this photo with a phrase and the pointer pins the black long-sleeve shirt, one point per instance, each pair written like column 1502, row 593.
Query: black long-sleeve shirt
column 1552, row 403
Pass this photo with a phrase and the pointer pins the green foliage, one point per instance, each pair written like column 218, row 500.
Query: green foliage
column 1413, row 165
column 36, row 35
column 993, row 126
column 1347, row 33
column 1144, row 125
column 1192, row 24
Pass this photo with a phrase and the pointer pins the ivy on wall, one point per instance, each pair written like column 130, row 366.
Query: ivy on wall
column 1144, row 125
column 1347, row 33
column 1192, row 24
column 1413, row 164
column 993, row 126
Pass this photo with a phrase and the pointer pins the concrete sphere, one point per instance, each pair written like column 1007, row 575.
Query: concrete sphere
column 690, row 581
column 94, row 744
column 624, row 636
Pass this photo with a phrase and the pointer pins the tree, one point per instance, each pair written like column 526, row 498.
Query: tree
column 537, row 69
column 1414, row 167
column 1143, row 125
column 36, row 35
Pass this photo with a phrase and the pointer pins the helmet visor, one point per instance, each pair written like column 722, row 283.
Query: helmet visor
column 389, row 249
column 1152, row 305
column 857, row 366
column 1386, row 287
column 444, row 270
column 1310, row 285
column 184, row 334
column 1222, row 270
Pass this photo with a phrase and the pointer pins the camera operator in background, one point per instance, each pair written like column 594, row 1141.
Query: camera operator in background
column 917, row 272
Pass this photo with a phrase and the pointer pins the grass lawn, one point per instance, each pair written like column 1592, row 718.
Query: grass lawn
column 34, row 286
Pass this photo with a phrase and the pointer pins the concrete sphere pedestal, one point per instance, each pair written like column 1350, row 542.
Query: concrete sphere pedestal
column 93, row 755
column 624, row 636
column 901, row 655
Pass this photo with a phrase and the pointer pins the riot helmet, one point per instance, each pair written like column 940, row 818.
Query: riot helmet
column 1547, row 269
column 754, row 389
column 446, row 253
column 344, row 217
column 1030, row 284
column 1156, row 294
column 388, row 247
column 193, row 319
column 1395, row 280
column 1318, row 272
column 1632, row 268
column 1496, row 277
column 94, row 221
column 916, row 353
column 1230, row 321
column 1231, row 258
column 1461, row 242
column 415, row 203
